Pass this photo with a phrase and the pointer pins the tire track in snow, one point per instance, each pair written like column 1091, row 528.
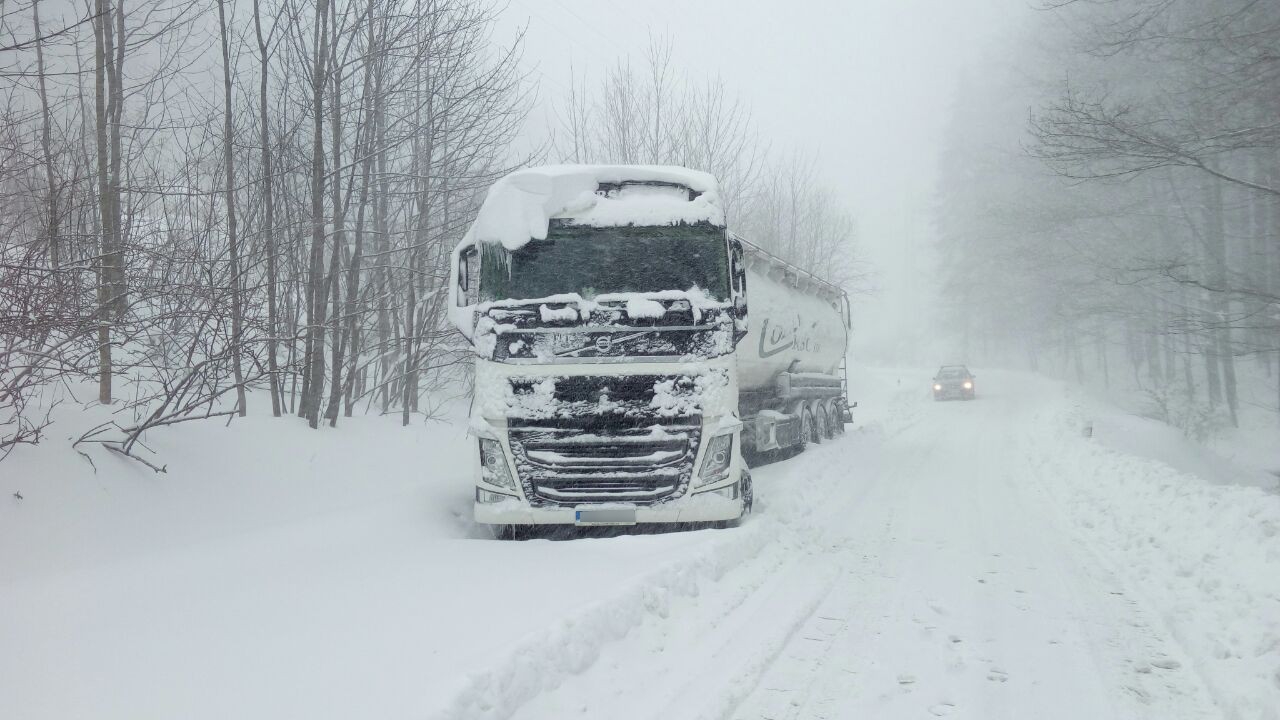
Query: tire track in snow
column 767, row 554
column 979, row 606
column 791, row 525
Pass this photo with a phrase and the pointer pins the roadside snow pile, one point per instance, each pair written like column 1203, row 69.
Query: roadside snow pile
column 1208, row 555
column 1158, row 426
column 221, row 480
column 546, row 657
column 281, row 572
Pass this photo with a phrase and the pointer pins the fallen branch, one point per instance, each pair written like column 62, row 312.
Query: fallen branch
column 116, row 449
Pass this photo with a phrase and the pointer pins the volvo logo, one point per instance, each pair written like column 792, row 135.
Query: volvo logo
column 604, row 342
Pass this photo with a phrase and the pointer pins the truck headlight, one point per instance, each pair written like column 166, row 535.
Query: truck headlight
column 715, row 464
column 493, row 464
column 968, row 385
column 937, row 386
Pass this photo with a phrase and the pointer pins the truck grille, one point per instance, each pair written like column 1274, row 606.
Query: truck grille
column 573, row 466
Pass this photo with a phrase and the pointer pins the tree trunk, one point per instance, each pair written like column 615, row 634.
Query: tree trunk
column 101, row 24
column 51, row 202
column 115, row 112
column 1219, row 300
column 313, row 361
column 269, row 227
column 339, row 231
column 353, row 268
column 233, row 242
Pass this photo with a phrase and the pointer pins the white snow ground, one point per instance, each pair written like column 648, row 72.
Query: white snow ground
column 974, row 560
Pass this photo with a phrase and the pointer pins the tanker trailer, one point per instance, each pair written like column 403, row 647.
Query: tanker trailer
column 617, row 378
column 792, row 379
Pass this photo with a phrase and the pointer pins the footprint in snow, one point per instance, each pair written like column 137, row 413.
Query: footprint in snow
column 942, row 709
column 1166, row 663
column 906, row 679
column 998, row 675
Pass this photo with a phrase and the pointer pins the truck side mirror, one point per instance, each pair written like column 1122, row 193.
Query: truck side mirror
column 464, row 288
column 738, row 277
column 468, row 269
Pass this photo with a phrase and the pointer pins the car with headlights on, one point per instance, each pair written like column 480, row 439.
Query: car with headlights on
column 953, row 382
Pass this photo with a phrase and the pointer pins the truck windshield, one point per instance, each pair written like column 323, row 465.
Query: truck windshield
column 591, row 261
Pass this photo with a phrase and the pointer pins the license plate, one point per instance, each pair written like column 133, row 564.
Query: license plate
column 606, row 516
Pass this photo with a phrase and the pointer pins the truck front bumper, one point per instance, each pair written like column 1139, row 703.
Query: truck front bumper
column 717, row 500
column 726, row 503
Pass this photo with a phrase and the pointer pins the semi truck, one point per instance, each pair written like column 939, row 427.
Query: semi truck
column 619, row 377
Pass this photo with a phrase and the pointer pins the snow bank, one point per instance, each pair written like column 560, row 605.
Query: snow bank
column 1207, row 554
column 275, row 572
column 548, row 656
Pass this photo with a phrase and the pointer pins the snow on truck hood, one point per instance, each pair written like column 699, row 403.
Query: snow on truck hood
column 520, row 206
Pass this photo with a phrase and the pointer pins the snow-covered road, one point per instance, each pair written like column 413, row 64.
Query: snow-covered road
column 922, row 571
column 978, row 560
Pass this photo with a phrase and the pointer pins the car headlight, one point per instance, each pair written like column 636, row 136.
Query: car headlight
column 937, row 386
column 493, row 464
column 968, row 385
column 715, row 464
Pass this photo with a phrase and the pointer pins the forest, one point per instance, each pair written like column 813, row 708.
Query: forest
column 203, row 206
column 1109, row 203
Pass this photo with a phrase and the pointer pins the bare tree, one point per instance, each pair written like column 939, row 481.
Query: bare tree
column 303, row 255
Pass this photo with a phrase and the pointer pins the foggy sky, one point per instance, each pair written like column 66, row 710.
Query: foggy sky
column 866, row 85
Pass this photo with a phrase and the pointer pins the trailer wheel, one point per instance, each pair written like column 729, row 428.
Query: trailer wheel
column 809, row 428
column 748, row 493
column 837, row 415
column 827, row 422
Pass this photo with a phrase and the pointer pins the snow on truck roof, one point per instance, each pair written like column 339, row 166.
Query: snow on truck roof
column 521, row 206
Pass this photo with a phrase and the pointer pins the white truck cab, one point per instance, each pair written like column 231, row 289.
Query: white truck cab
column 617, row 378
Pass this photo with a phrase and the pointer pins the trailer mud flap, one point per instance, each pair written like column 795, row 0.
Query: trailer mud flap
column 605, row 516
